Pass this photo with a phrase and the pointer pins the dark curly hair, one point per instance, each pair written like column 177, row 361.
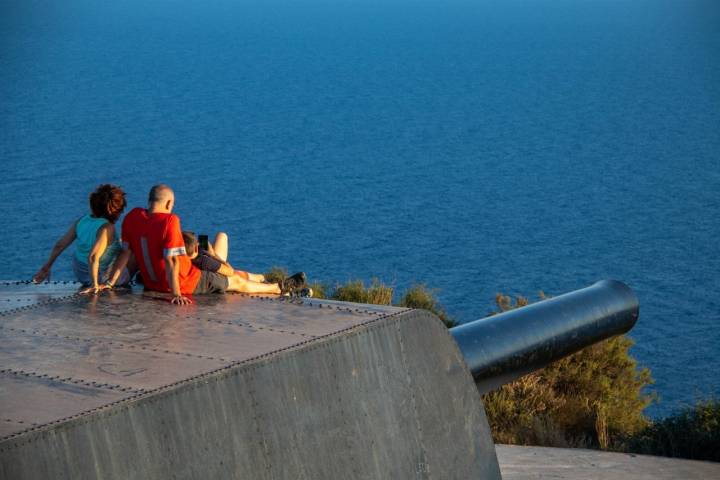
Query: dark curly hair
column 108, row 201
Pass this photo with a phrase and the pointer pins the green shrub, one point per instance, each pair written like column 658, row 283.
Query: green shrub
column 355, row 291
column 419, row 296
column 320, row 290
column 591, row 398
column 505, row 303
column 521, row 413
column 276, row 274
column 378, row 293
column 694, row 432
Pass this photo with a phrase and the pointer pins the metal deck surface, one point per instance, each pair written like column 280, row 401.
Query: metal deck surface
column 63, row 355
column 16, row 295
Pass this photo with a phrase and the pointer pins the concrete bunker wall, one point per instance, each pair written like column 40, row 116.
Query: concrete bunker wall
column 389, row 400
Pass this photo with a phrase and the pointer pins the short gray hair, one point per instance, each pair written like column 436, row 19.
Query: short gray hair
column 159, row 192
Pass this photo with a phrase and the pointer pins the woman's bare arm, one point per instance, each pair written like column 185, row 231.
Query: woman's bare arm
column 59, row 247
column 104, row 237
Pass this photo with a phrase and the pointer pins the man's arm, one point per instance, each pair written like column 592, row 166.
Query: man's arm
column 173, row 247
column 207, row 261
column 226, row 270
column 172, row 270
column 211, row 252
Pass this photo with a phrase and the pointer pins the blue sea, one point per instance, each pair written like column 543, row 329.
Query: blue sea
column 475, row 146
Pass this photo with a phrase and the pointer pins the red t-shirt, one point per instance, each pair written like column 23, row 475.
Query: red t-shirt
column 151, row 237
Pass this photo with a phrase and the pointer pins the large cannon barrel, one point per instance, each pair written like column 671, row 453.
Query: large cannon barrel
column 501, row 348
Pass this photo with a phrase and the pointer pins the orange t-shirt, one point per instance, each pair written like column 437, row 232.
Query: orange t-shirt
column 151, row 237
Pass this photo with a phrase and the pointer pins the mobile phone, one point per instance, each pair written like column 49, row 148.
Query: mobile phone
column 203, row 242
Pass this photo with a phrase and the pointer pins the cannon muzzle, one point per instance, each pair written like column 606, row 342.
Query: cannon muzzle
column 502, row 348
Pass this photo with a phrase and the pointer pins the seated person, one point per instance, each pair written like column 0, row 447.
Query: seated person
column 97, row 247
column 214, row 260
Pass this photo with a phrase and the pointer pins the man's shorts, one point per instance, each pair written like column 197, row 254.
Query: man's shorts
column 211, row 282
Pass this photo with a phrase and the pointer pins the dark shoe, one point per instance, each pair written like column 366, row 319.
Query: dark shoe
column 305, row 292
column 293, row 283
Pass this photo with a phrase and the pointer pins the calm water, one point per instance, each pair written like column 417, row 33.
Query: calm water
column 476, row 146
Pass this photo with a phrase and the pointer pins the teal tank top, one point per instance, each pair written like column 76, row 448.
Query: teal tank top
column 86, row 233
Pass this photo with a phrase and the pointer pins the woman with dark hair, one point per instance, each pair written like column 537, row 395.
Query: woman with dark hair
column 97, row 245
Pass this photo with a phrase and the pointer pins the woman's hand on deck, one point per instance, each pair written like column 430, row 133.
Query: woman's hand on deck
column 94, row 290
column 42, row 274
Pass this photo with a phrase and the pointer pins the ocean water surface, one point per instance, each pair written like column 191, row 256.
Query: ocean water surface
column 476, row 146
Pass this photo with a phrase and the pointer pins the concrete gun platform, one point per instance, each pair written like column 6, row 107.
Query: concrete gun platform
column 100, row 350
column 125, row 385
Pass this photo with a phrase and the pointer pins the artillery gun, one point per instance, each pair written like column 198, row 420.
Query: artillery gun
column 125, row 386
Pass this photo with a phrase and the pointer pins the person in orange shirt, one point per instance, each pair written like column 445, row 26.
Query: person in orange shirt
column 214, row 260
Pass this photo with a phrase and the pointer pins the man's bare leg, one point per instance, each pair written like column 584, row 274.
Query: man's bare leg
column 236, row 283
column 253, row 277
column 256, row 277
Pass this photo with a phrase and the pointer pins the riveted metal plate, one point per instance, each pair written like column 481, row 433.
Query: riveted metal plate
column 63, row 354
column 17, row 295
column 24, row 400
